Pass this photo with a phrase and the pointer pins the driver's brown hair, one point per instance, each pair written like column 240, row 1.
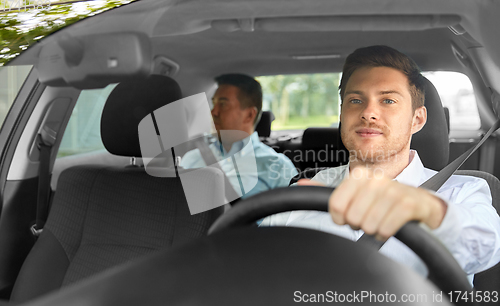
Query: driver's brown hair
column 384, row 56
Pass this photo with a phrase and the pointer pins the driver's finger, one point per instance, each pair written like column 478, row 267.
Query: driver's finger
column 309, row 182
column 403, row 211
column 362, row 201
column 341, row 197
column 379, row 210
column 339, row 200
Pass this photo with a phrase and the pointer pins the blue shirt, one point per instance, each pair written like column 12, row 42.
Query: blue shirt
column 273, row 169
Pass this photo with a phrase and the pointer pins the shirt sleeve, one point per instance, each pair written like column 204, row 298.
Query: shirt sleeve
column 280, row 171
column 471, row 226
column 192, row 159
column 273, row 171
column 280, row 219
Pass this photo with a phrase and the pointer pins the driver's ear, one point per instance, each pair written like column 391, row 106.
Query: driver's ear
column 419, row 119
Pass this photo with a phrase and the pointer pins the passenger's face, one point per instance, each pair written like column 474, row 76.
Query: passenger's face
column 376, row 115
column 227, row 112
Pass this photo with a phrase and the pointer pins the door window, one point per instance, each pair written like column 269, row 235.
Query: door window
column 83, row 133
column 11, row 80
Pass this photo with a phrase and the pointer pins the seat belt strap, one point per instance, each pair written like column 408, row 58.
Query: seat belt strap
column 437, row 180
column 210, row 160
column 43, row 197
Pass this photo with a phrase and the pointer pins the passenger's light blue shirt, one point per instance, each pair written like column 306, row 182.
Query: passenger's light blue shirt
column 273, row 169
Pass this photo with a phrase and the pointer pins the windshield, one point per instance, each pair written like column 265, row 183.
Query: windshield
column 23, row 22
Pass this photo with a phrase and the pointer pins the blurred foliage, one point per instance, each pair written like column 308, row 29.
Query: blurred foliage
column 36, row 19
column 302, row 100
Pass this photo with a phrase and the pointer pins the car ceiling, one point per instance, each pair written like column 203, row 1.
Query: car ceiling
column 268, row 53
column 286, row 28
column 264, row 51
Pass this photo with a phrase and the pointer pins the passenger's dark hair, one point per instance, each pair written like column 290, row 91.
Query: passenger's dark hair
column 384, row 56
column 250, row 91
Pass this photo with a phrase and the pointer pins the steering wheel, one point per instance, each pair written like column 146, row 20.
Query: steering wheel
column 444, row 271
column 242, row 265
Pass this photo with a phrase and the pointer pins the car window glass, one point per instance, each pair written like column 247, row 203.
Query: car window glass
column 11, row 80
column 83, row 133
column 23, row 23
column 456, row 93
column 302, row 100
column 305, row 100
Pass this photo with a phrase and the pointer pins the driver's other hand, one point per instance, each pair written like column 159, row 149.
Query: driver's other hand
column 309, row 182
column 380, row 206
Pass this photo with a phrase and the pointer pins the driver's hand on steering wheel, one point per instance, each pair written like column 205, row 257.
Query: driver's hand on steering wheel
column 379, row 205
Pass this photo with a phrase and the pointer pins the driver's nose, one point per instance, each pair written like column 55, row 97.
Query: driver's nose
column 371, row 111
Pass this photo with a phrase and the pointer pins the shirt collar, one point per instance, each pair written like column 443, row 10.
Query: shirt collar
column 238, row 145
column 415, row 169
column 413, row 173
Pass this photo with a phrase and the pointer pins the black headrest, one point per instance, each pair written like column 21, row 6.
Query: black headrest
column 432, row 142
column 317, row 137
column 263, row 127
column 127, row 105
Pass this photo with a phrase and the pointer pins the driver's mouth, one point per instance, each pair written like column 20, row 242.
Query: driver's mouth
column 366, row 132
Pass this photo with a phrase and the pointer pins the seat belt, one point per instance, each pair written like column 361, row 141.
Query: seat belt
column 210, row 160
column 45, row 140
column 437, row 180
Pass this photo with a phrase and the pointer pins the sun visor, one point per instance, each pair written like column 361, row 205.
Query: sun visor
column 94, row 61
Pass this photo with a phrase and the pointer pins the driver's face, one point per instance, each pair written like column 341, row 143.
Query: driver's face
column 376, row 114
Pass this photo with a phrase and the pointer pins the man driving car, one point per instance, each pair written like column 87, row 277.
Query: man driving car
column 237, row 104
column 376, row 193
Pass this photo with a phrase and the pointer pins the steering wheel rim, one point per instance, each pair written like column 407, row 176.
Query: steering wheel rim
column 444, row 271
column 252, row 266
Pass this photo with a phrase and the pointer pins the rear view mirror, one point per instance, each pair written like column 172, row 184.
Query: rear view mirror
column 94, row 61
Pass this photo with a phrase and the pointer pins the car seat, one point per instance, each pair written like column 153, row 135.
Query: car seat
column 102, row 216
column 263, row 127
column 322, row 148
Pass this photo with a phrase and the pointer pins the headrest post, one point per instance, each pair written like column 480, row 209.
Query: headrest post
column 133, row 161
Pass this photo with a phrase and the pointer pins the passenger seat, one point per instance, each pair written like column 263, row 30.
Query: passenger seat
column 103, row 216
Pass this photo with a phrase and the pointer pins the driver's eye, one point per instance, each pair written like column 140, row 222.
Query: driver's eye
column 355, row 101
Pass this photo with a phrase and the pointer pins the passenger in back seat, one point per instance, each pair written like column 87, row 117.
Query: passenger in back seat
column 237, row 104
